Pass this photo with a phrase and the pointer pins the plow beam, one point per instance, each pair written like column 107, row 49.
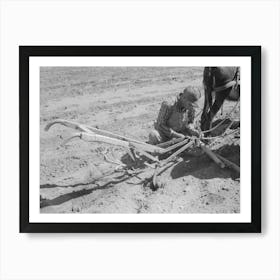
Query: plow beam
column 70, row 124
column 91, row 137
column 92, row 133
column 89, row 129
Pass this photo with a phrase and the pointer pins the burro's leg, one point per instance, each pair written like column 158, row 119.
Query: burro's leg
column 206, row 108
column 219, row 100
column 208, row 87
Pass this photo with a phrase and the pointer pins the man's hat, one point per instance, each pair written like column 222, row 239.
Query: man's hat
column 192, row 93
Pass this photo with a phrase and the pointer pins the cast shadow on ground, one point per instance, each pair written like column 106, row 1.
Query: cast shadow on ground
column 75, row 194
column 202, row 167
column 137, row 164
column 50, row 186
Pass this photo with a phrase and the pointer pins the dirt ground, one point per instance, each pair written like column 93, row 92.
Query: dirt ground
column 75, row 179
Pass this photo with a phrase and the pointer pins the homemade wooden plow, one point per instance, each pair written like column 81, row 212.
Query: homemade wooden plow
column 151, row 153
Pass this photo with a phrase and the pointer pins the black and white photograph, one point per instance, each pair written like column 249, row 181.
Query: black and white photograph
column 142, row 136
column 140, row 139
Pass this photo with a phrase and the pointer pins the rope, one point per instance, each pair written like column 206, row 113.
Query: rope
column 222, row 121
column 217, row 138
column 226, row 86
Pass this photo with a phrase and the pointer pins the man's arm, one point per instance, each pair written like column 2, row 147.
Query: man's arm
column 191, row 123
column 161, row 124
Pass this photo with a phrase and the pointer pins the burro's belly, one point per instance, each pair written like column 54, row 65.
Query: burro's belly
column 178, row 121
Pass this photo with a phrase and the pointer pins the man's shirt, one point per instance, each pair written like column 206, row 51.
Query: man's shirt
column 172, row 118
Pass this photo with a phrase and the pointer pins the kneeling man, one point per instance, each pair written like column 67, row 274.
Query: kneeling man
column 176, row 119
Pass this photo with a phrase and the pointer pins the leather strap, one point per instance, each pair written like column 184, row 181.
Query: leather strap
column 227, row 85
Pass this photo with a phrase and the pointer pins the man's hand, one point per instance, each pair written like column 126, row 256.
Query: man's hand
column 192, row 130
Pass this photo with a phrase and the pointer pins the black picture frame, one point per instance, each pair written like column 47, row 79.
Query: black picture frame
column 25, row 52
